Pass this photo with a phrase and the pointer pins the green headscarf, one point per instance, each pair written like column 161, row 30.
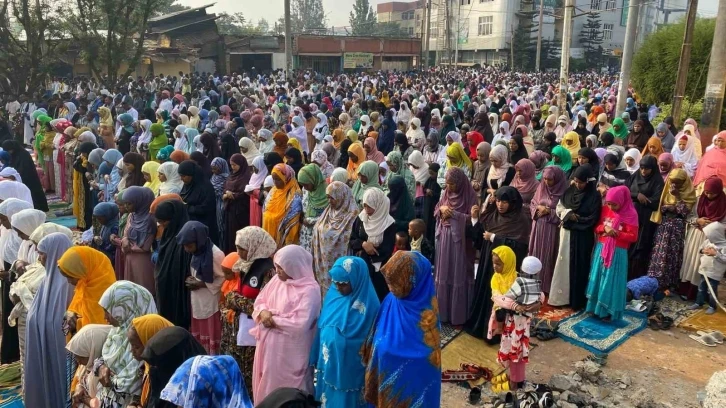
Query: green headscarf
column 623, row 132
column 317, row 199
column 40, row 136
column 402, row 170
column 369, row 169
column 565, row 158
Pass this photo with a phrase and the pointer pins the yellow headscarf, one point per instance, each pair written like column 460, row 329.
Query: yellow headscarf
column 278, row 205
column 357, row 149
column 571, row 142
column 95, row 274
column 385, row 100
column 296, row 144
column 104, row 115
column 501, row 282
column 152, row 169
column 353, row 136
column 460, row 157
column 146, row 327
column 338, row 137
column 687, row 193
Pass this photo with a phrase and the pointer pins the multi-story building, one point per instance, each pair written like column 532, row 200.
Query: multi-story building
column 408, row 15
column 481, row 31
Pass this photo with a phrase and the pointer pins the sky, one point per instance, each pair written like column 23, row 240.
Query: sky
column 337, row 11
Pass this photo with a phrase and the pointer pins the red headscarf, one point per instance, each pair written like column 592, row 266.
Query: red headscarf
column 714, row 210
column 619, row 195
column 474, row 138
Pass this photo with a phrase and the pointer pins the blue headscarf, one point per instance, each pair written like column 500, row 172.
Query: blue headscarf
column 207, row 381
column 203, row 117
column 403, row 351
column 109, row 211
column 112, row 156
column 342, row 328
column 203, row 259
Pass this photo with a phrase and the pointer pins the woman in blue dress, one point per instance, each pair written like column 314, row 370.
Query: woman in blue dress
column 349, row 309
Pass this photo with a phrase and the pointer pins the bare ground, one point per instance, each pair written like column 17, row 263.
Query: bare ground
column 670, row 366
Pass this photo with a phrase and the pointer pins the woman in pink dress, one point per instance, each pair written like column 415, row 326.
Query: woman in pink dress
column 259, row 172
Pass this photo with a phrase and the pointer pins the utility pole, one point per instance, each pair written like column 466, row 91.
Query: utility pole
column 458, row 33
column 713, row 100
column 511, row 50
column 539, row 36
column 428, row 32
column 565, row 60
column 685, row 62
column 425, row 35
column 631, row 30
column 288, row 42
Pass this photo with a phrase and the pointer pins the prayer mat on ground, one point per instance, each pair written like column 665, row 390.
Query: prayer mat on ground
column 704, row 322
column 66, row 221
column 448, row 333
column 470, row 350
column 10, row 396
column 676, row 309
column 597, row 336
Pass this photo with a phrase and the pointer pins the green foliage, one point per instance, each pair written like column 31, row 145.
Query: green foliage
column 689, row 109
column 391, row 29
column 363, row 19
column 655, row 63
column 307, row 16
column 591, row 40
column 168, row 7
column 525, row 48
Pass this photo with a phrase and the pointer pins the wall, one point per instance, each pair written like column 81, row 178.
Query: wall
column 172, row 68
column 278, row 60
column 313, row 45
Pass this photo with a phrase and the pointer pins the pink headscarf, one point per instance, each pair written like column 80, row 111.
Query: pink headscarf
column 526, row 182
column 464, row 198
column 546, row 195
column 619, row 195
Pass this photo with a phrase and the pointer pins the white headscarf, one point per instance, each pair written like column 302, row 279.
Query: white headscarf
column 321, row 129
column 173, row 183
column 9, row 239
column 376, row 224
column 267, row 145
column 15, row 189
column 421, row 174
column 635, row 155
column 252, row 151
column 687, row 157
column 26, row 221
column 145, row 136
column 259, row 177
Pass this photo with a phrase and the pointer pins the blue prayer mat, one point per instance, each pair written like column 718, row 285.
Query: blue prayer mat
column 597, row 336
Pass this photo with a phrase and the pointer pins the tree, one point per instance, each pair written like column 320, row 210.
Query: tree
column 591, row 41
column 110, row 33
column 362, row 19
column 263, row 27
column 307, row 16
column 279, row 26
column 655, row 63
column 236, row 24
column 525, row 47
column 391, row 29
column 168, row 7
column 29, row 45
column 550, row 55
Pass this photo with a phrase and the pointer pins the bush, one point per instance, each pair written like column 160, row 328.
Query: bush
column 655, row 64
column 688, row 110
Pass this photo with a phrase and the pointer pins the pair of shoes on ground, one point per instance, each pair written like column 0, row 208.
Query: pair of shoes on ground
column 709, row 339
column 696, row 306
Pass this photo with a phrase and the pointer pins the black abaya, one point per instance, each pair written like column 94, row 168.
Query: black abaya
column 651, row 187
column 429, row 204
column 385, row 250
column 200, row 198
column 173, row 299
column 21, row 161
column 10, row 345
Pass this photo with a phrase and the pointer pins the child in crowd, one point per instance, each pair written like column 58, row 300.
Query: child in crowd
column 416, row 231
column 432, row 194
column 713, row 265
column 643, row 286
column 525, row 290
column 106, row 214
column 401, row 242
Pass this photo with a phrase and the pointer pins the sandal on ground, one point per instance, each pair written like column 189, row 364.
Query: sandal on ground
column 502, row 378
column 500, row 388
column 705, row 339
column 475, row 396
column 507, row 402
column 716, row 335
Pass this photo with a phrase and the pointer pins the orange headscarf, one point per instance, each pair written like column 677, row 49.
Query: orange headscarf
column 158, row 200
column 653, row 141
column 338, row 137
column 356, row 149
column 177, row 156
column 280, row 140
column 95, row 274
column 146, row 327
column 278, row 205
column 596, row 110
column 229, row 285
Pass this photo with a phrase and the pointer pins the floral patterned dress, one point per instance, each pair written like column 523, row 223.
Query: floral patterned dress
column 667, row 256
column 309, row 220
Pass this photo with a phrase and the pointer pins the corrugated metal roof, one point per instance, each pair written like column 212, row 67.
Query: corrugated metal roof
column 179, row 13
column 177, row 26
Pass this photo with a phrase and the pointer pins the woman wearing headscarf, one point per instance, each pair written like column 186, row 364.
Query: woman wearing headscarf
column 133, row 162
column 119, row 372
column 294, row 159
column 172, row 268
column 401, row 204
column 579, row 211
column 220, row 173
column 620, row 131
column 562, row 159
column 420, row 170
column 646, row 187
column 632, row 160
column 248, row 150
column 332, row 231
column 170, row 182
column 267, row 144
column 665, row 164
column 385, row 141
column 571, row 142
column 164, row 352
column 341, row 334
column 106, row 128
column 372, row 152
column 314, row 201
column 665, row 135
column 199, row 196
column 434, row 152
column 654, row 147
column 638, row 138
column 616, row 231
column 258, row 172
column 613, row 174
column 711, row 208
column 408, row 321
column 158, row 140
column 675, row 205
column 503, row 133
column 140, row 331
column 125, row 131
column 525, row 182
column 545, row 222
column 284, row 313
column 86, row 346
column 281, row 215
column 415, row 134
column 205, row 282
column 447, row 125
column 45, row 357
column 209, row 381
column 21, row 161
column 138, row 238
column 150, row 170
column 236, row 204
column 500, row 172
column 713, row 163
column 320, row 159
column 397, row 166
column 107, row 215
column 82, row 199
column 501, row 222
column 480, row 165
column 454, row 259
column 684, row 155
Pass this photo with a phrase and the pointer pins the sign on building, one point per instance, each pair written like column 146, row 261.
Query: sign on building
column 354, row 60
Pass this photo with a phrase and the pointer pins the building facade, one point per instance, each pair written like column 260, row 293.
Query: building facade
column 408, row 15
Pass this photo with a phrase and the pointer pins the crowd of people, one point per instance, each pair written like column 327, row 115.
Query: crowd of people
column 248, row 239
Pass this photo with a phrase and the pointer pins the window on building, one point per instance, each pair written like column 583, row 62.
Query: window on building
column 485, row 1
column 434, row 31
column 607, row 31
column 610, row 5
column 595, row 4
column 407, row 15
column 464, row 2
column 410, row 30
column 418, row 17
column 486, row 25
